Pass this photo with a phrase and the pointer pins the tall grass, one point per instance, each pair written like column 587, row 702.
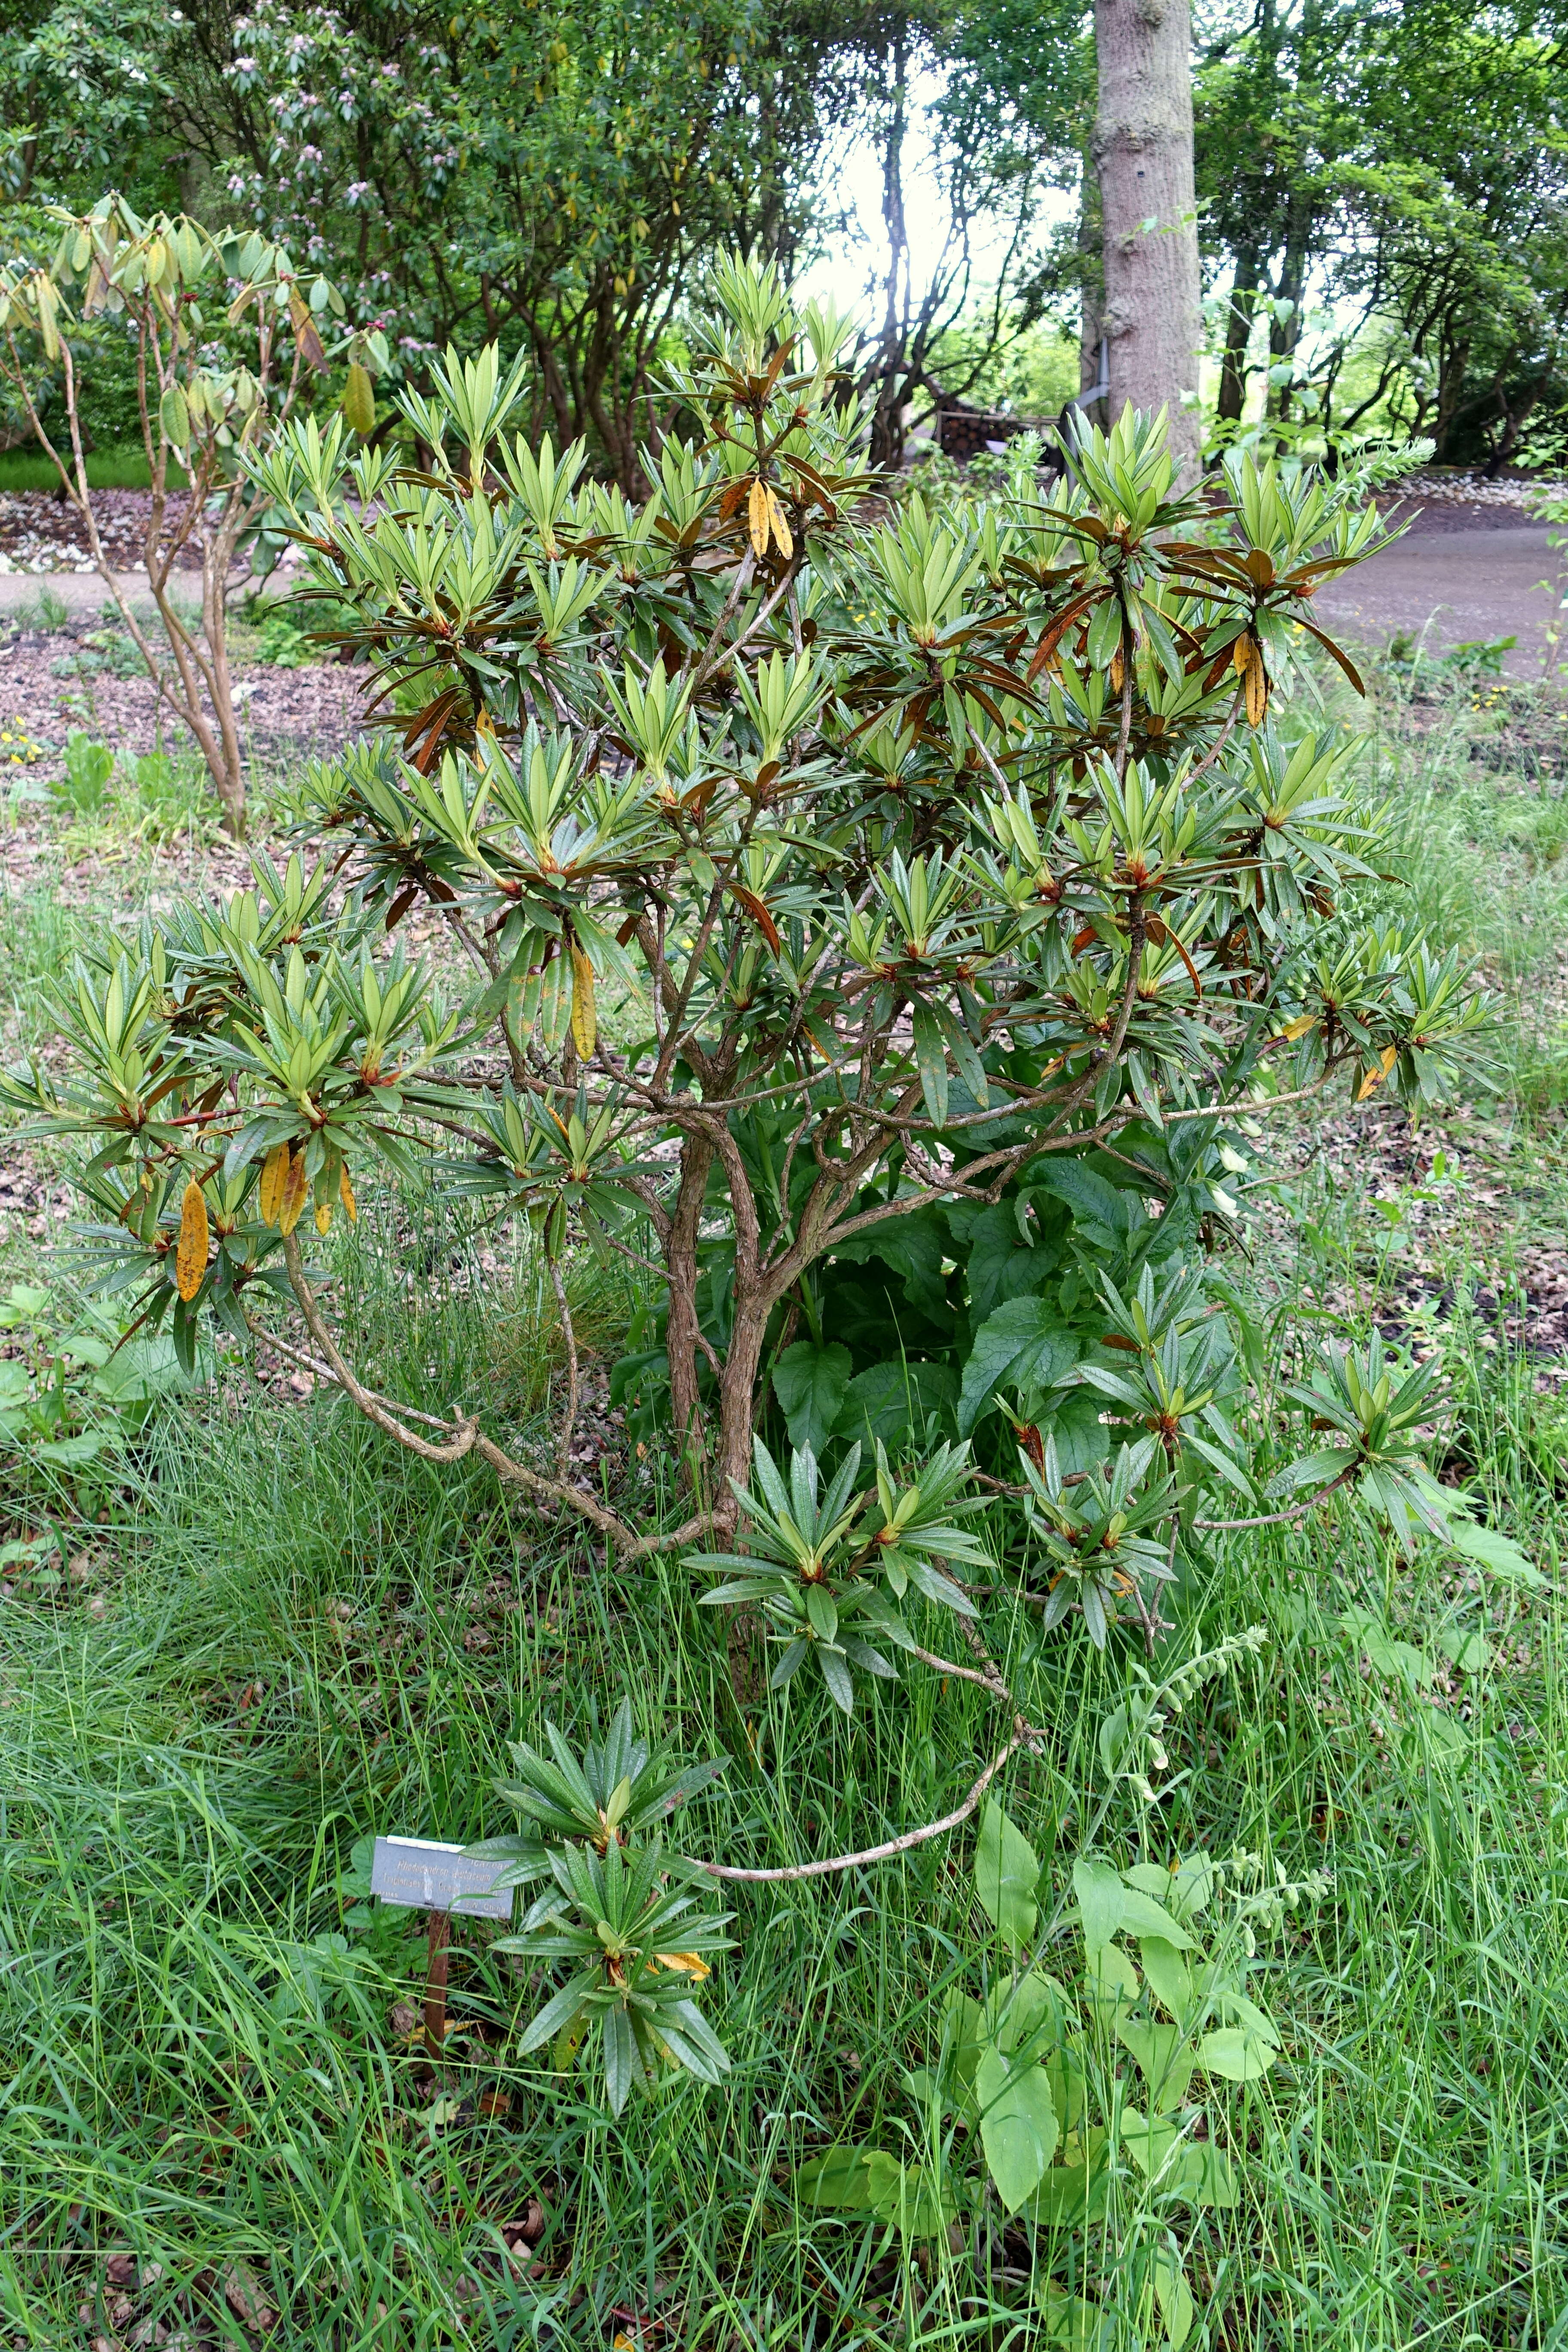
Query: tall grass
column 38, row 937
column 1480, row 840
column 286, row 1635
column 307, row 1638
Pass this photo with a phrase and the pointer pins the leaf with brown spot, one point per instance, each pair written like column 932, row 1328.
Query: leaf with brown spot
column 191, row 1258
column 1256, row 684
column 346, row 1195
column 585, row 1011
column 274, row 1177
column 296, row 1190
column 323, row 1217
column 778, row 523
column 757, row 517
column 1375, row 1078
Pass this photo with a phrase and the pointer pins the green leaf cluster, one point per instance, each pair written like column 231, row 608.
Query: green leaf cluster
column 1073, row 2105
column 618, row 1915
column 826, row 1566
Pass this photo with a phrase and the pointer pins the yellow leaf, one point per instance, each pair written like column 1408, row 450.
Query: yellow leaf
column 685, row 1964
column 274, row 1175
column 1375, row 1078
column 324, row 1217
column 346, row 1195
column 191, row 1258
column 1300, row 1026
column 1257, row 685
column 757, row 517
column 584, row 1014
column 46, row 299
column 295, row 1190
column 1240, row 656
column 778, row 523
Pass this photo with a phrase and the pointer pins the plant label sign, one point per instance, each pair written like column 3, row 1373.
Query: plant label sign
column 423, row 1874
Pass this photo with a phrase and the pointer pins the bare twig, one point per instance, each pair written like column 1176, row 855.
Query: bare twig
column 986, row 1677
column 321, row 1371
column 1296, row 1511
column 894, row 1846
column 468, row 1438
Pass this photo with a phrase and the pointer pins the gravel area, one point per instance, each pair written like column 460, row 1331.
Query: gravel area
column 1469, row 487
column 41, row 532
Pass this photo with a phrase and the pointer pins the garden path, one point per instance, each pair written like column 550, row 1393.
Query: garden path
column 1461, row 574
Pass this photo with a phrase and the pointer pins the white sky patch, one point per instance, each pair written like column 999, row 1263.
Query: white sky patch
column 854, row 268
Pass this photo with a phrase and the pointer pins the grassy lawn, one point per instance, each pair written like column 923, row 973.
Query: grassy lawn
column 260, row 1633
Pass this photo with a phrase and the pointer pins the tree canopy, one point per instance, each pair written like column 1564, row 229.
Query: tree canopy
column 1382, row 185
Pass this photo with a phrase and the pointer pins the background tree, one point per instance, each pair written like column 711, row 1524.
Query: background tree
column 88, row 99
column 224, row 335
column 1407, row 167
column 1148, row 211
column 549, row 177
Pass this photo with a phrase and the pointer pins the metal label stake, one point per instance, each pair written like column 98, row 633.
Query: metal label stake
column 423, row 1874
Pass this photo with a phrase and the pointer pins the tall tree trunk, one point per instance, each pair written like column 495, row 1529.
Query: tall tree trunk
column 1091, row 298
column 1301, row 221
column 887, row 450
column 1238, row 334
column 1143, row 154
column 1291, row 286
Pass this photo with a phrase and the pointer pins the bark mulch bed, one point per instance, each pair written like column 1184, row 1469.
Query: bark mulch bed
column 57, row 679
